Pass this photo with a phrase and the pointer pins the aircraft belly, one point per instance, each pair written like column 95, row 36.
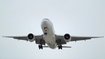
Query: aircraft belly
column 50, row 40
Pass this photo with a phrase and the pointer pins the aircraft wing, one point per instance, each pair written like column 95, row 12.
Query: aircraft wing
column 37, row 38
column 75, row 38
column 78, row 38
column 18, row 37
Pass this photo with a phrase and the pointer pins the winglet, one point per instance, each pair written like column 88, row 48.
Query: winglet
column 99, row 37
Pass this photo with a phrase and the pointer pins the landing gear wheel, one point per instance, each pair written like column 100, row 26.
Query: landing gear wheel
column 60, row 47
column 40, row 47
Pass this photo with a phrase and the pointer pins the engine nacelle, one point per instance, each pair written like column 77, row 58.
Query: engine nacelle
column 67, row 37
column 30, row 37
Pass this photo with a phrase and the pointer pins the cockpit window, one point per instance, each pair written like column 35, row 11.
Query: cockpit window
column 45, row 28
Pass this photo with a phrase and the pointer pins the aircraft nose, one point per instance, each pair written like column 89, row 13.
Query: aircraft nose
column 44, row 22
column 46, row 19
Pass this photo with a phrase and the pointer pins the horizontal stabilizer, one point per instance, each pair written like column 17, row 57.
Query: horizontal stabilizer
column 66, row 46
column 62, row 46
column 46, row 46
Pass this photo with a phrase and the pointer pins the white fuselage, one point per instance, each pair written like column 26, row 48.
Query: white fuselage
column 49, row 35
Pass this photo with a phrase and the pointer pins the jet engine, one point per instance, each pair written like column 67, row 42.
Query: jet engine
column 67, row 37
column 30, row 37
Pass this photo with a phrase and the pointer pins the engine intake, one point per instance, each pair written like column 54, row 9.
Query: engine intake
column 67, row 37
column 31, row 37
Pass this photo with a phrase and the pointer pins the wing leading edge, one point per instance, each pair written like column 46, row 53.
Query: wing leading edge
column 75, row 38
column 38, row 38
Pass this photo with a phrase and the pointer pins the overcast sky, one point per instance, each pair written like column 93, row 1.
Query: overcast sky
column 76, row 17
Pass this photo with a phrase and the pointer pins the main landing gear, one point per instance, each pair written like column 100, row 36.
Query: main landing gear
column 41, row 43
column 40, row 46
column 59, row 46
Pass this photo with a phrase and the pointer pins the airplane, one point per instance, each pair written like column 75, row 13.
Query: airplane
column 50, row 38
